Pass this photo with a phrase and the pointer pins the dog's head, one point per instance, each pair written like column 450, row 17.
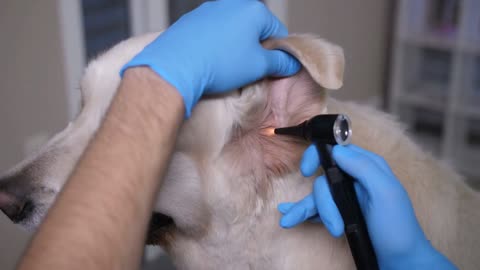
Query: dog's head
column 225, row 162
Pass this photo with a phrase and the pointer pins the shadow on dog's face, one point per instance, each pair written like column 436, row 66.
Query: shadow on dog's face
column 221, row 143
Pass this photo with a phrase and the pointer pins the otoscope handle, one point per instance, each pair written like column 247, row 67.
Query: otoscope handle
column 345, row 197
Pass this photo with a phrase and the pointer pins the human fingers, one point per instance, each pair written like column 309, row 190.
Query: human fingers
column 310, row 161
column 379, row 160
column 362, row 168
column 280, row 63
column 326, row 207
column 298, row 212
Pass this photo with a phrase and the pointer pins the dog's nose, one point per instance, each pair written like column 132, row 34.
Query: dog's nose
column 14, row 196
column 11, row 205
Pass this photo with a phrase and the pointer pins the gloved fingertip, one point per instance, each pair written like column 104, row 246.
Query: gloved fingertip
column 306, row 169
column 292, row 219
column 336, row 231
column 310, row 161
column 292, row 65
column 335, row 228
column 281, row 64
column 285, row 207
column 285, row 223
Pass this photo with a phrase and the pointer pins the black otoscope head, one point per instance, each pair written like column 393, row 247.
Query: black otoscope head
column 323, row 129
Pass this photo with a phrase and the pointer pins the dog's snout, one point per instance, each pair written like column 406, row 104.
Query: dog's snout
column 12, row 206
column 14, row 194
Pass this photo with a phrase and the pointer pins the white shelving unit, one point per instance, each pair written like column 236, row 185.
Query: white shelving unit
column 435, row 86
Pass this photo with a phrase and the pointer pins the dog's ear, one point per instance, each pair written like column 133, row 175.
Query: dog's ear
column 323, row 60
column 279, row 102
column 294, row 99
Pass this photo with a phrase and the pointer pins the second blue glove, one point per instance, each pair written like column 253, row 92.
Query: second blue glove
column 396, row 235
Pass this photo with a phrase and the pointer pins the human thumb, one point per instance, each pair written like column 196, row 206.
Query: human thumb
column 281, row 64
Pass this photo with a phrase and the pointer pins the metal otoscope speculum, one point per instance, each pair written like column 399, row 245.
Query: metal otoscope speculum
column 325, row 131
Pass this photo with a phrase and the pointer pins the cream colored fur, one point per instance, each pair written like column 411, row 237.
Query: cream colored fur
column 222, row 221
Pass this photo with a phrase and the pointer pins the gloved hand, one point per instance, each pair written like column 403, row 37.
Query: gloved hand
column 396, row 235
column 216, row 48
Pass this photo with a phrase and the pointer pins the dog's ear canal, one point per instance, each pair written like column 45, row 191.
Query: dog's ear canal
column 323, row 60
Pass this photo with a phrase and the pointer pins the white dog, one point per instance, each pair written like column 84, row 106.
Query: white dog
column 217, row 206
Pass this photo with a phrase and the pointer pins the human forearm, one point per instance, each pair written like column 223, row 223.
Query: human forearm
column 91, row 225
column 123, row 164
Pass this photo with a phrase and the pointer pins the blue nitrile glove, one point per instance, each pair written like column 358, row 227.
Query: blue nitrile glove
column 216, row 48
column 396, row 235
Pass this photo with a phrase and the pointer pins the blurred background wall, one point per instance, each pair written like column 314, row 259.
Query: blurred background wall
column 361, row 28
column 45, row 45
column 32, row 95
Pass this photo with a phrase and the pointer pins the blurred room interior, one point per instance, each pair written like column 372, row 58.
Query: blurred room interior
column 418, row 59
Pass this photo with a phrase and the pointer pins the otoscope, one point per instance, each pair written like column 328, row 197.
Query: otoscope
column 325, row 131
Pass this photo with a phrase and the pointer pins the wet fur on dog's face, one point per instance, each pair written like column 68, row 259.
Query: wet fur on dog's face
column 225, row 132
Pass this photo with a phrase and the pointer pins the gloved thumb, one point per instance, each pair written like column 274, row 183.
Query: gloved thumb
column 281, row 64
